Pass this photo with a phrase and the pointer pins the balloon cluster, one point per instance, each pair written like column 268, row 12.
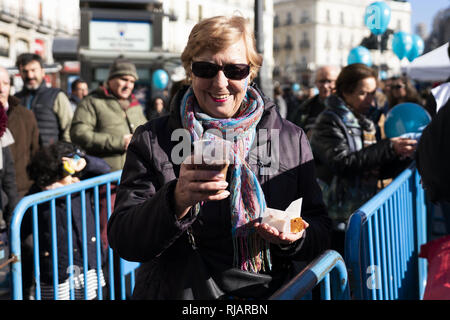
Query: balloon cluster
column 406, row 45
column 376, row 18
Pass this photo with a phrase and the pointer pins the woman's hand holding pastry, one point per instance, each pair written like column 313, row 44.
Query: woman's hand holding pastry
column 272, row 234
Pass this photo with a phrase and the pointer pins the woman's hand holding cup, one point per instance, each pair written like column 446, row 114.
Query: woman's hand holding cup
column 195, row 185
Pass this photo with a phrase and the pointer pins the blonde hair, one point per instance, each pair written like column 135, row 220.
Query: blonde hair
column 218, row 33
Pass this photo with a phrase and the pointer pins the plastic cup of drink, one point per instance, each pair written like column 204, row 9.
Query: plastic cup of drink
column 212, row 155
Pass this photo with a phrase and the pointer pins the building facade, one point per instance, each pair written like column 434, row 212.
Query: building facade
column 82, row 37
column 313, row 33
column 153, row 34
column 189, row 12
column 31, row 26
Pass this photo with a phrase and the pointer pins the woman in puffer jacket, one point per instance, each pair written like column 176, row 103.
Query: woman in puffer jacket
column 349, row 159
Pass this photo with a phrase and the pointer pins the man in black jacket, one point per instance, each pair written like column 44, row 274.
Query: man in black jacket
column 51, row 106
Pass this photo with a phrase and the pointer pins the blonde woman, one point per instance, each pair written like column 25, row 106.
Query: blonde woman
column 197, row 233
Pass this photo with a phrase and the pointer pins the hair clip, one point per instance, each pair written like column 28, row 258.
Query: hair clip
column 68, row 168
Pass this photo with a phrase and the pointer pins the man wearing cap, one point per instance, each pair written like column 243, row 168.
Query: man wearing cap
column 106, row 119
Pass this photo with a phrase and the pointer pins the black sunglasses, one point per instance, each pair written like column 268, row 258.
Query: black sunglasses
column 323, row 81
column 209, row 70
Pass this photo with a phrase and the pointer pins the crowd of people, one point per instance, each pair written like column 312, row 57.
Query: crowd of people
column 41, row 129
column 197, row 232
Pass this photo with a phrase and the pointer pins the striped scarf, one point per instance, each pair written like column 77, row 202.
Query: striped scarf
column 247, row 201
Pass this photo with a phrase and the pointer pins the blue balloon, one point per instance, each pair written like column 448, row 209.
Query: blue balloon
column 406, row 119
column 160, row 79
column 377, row 17
column 402, row 44
column 416, row 49
column 295, row 87
column 360, row 54
column 383, row 75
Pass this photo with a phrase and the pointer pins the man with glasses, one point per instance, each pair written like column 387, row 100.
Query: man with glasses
column 311, row 108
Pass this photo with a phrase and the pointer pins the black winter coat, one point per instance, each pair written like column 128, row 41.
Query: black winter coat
column 433, row 156
column 95, row 166
column 144, row 227
column 347, row 170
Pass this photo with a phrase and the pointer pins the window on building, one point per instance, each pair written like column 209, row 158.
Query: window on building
column 304, row 42
column 304, row 62
column 276, row 21
column 10, row 7
column 4, row 45
column 276, row 46
column 288, row 44
column 289, row 19
column 342, row 19
column 328, row 16
column 304, row 18
column 22, row 46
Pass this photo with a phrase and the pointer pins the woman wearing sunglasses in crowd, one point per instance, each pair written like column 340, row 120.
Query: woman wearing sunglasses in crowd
column 197, row 236
column 402, row 90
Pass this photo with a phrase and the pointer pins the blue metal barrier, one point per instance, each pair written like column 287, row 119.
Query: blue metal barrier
column 328, row 271
column 383, row 239
column 29, row 205
column 381, row 247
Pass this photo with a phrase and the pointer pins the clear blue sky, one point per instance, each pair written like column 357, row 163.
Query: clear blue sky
column 425, row 10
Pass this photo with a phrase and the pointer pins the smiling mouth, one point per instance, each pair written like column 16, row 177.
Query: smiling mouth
column 219, row 98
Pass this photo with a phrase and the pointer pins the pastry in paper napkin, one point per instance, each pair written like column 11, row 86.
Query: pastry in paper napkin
column 287, row 221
